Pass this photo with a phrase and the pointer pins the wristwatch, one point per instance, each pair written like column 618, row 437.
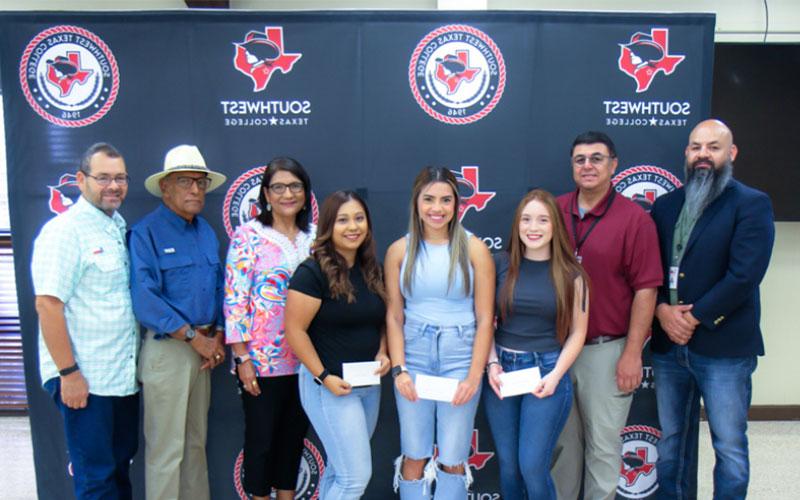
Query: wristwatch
column 241, row 359
column 70, row 369
column 397, row 370
column 319, row 378
column 189, row 335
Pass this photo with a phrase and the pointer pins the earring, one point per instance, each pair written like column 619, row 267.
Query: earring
column 269, row 207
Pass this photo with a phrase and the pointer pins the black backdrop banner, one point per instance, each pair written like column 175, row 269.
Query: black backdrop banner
column 363, row 100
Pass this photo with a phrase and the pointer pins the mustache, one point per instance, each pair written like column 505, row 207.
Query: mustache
column 702, row 161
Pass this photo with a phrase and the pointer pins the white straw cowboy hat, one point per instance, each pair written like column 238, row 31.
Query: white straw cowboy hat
column 183, row 158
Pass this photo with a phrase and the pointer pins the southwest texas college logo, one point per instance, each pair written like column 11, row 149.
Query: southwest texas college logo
column 645, row 55
column 637, row 474
column 644, row 183
column 457, row 74
column 469, row 191
column 260, row 54
column 69, row 76
column 241, row 201
column 312, row 466
column 64, row 194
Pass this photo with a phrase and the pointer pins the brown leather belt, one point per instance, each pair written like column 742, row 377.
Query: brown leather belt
column 602, row 339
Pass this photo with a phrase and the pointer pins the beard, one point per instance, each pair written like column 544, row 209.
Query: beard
column 703, row 186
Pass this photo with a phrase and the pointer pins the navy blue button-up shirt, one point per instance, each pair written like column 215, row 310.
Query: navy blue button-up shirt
column 176, row 274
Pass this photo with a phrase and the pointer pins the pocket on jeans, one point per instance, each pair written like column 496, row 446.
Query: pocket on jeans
column 413, row 332
column 548, row 361
column 467, row 337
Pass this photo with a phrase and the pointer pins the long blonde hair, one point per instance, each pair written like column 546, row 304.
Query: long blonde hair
column 458, row 240
column 564, row 267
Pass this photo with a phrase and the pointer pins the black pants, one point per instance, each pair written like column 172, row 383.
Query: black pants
column 274, row 428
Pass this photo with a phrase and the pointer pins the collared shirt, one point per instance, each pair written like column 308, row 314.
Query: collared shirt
column 80, row 258
column 176, row 275
column 683, row 229
column 260, row 263
column 620, row 255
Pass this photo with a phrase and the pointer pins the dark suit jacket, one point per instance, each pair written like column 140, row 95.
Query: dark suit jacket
column 723, row 264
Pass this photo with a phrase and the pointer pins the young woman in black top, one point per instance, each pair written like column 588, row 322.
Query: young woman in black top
column 334, row 315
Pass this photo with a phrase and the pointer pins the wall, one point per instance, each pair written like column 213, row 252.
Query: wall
column 775, row 381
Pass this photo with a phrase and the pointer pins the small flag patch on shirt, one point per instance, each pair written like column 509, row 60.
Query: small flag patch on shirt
column 169, row 250
column 97, row 251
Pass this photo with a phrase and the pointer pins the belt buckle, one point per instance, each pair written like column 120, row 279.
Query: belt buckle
column 203, row 330
column 602, row 339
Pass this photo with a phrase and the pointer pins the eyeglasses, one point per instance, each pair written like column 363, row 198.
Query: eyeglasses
column 105, row 180
column 596, row 159
column 280, row 188
column 186, row 182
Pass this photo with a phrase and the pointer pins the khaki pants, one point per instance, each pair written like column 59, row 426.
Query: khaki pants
column 176, row 395
column 590, row 444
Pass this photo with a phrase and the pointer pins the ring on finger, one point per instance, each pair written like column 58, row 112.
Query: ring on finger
column 253, row 383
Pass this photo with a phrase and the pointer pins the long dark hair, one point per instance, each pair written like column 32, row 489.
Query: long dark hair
column 457, row 236
column 333, row 265
column 564, row 267
column 303, row 218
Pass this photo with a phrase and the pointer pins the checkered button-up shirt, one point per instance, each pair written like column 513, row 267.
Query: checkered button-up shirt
column 80, row 258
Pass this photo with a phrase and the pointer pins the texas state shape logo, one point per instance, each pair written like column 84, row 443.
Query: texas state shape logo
column 646, row 55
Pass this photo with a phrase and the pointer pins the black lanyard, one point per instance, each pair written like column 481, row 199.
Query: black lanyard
column 579, row 242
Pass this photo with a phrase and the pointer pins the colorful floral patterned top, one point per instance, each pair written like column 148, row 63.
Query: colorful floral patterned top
column 260, row 263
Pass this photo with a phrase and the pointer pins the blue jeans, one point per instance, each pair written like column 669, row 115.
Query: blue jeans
column 682, row 378
column 443, row 351
column 101, row 440
column 526, row 428
column 345, row 425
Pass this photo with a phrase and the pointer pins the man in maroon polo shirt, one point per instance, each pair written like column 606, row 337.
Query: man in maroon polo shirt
column 616, row 242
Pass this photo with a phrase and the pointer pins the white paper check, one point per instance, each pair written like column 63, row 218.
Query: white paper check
column 519, row 382
column 361, row 374
column 436, row 388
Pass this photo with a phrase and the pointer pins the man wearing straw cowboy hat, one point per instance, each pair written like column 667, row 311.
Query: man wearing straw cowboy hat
column 177, row 290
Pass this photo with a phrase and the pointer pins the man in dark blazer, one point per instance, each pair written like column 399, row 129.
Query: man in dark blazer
column 716, row 237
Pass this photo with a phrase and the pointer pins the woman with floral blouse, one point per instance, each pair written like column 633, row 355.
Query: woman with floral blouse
column 262, row 257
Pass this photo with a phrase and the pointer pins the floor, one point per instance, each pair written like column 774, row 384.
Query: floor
column 774, row 457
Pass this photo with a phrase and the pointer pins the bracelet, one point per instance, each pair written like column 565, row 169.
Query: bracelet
column 70, row 369
column 490, row 363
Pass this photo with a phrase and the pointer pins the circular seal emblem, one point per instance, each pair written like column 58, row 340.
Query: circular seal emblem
column 241, row 201
column 638, row 477
column 642, row 184
column 457, row 74
column 69, row 76
column 312, row 465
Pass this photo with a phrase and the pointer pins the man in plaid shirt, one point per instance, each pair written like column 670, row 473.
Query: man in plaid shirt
column 88, row 338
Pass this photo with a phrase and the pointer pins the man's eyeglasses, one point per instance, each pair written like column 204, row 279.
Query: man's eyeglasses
column 105, row 180
column 596, row 160
column 186, row 182
column 280, row 188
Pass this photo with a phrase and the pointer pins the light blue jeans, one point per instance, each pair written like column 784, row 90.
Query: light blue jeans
column 682, row 378
column 442, row 351
column 345, row 425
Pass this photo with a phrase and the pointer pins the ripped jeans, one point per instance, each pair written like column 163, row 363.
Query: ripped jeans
column 443, row 351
